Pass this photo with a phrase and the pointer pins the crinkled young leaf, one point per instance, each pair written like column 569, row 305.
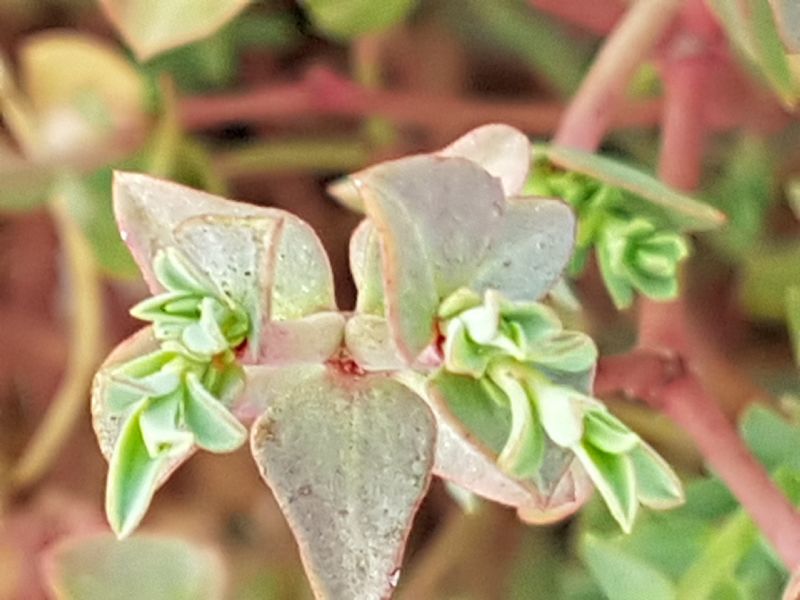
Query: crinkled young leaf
column 472, row 431
column 561, row 415
column 133, row 477
column 673, row 208
column 158, row 424
column 109, row 424
column 214, row 428
column 524, row 449
column 150, row 27
column 100, row 567
column 607, row 433
column 349, row 460
column 150, row 211
column 614, row 477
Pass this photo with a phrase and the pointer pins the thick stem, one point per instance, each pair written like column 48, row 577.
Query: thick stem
column 683, row 399
column 591, row 111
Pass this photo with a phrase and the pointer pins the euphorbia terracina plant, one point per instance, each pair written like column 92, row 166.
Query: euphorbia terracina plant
column 454, row 363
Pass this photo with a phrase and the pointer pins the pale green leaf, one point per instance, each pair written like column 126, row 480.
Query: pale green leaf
column 215, row 429
column 613, row 476
column 561, row 416
column 751, row 26
column 673, row 208
column 158, row 421
column 133, row 477
column 151, row 26
column 793, row 318
column 657, row 486
column 348, row 460
column 523, row 451
column 609, row 434
column 157, row 568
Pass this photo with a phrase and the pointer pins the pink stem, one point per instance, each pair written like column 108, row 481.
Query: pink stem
column 590, row 113
column 323, row 93
column 683, row 399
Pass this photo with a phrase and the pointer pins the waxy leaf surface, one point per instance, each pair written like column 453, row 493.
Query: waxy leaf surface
column 348, row 459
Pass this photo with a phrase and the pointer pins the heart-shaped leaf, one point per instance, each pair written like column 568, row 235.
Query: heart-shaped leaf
column 150, row 27
column 348, row 459
column 665, row 203
column 153, row 567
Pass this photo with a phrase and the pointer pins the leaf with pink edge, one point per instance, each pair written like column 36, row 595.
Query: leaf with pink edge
column 348, row 459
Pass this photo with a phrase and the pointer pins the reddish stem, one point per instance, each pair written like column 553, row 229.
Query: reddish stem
column 591, row 111
column 683, row 399
column 323, row 93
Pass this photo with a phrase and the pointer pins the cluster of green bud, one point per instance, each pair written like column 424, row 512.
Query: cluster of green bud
column 181, row 392
column 528, row 364
column 633, row 252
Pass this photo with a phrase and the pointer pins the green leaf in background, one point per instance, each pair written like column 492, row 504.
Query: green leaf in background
column 751, row 26
column 623, row 575
column 744, row 191
column 88, row 199
column 793, row 318
column 346, row 19
column 153, row 567
column 634, row 255
column 670, row 207
column 766, row 275
column 152, row 26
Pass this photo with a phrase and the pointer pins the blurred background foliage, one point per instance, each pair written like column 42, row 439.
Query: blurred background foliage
column 268, row 101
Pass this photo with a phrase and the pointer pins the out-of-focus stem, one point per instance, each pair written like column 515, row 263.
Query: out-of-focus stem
column 591, row 112
column 85, row 340
column 323, row 93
